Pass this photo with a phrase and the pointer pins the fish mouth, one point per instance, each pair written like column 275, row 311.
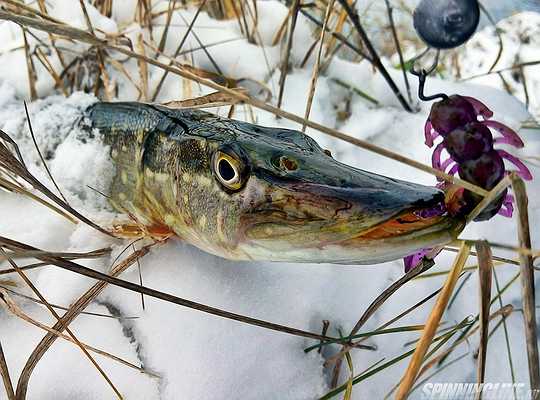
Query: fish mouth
column 309, row 222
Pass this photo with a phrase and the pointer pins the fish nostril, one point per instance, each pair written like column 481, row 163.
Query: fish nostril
column 288, row 164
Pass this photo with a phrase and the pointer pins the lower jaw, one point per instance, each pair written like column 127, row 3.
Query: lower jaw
column 359, row 250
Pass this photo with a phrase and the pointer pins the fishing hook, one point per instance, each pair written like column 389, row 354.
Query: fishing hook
column 423, row 73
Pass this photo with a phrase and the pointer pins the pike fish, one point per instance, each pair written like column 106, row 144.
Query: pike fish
column 248, row 192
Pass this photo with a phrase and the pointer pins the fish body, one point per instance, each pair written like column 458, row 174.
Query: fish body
column 247, row 192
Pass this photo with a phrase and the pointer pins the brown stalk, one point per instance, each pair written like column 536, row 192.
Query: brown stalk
column 78, row 34
column 398, row 48
column 68, row 255
column 55, row 315
column 4, row 371
column 140, row 277
column 143, row 68
column 18, row 6
column 163, row 40
column 120, row 68
column 295, row 6
column 30, row 67
column 520, row 250
column 103, row 71
column 308, row 54
column 495, row 258
column 278, row 35
column 342, row 18
column 41, row 155
column 43, row 10
column 203, row 47
column 498, row 71
column 497, row 32
column 527, row 282
column 431, row 324
column 44, row 60
column 315, row 73
column 337, row 35
column 23, row 268
column 37, row 301
column 216, row 99
column 485, row 269
column 492, row 195
column 4, row 184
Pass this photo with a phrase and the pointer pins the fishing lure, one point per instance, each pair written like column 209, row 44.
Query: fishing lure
column 466, row 128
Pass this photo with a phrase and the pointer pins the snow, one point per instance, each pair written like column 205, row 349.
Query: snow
column 199, row 356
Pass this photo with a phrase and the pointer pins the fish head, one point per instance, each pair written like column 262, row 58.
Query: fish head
column 275, row 194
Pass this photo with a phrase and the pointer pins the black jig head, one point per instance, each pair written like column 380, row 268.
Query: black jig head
column 444, row 24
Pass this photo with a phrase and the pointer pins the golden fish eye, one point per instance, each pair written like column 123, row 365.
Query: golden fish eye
column 228, row 171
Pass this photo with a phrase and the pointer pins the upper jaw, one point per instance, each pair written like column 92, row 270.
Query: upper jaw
column 309, row 222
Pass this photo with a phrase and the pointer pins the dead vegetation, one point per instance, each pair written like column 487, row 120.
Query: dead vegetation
column 337, row 29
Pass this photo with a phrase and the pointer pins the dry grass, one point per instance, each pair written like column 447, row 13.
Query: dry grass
column 337, row 28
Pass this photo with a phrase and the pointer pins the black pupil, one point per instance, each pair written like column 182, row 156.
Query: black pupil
column 226, row 170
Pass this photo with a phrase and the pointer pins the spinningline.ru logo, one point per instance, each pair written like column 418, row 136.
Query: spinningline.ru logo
column 466, row 391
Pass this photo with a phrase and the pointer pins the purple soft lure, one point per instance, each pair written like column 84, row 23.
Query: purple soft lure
column 466, row 128
column 465, row 125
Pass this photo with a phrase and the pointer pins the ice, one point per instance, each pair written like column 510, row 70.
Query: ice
column 199, row 356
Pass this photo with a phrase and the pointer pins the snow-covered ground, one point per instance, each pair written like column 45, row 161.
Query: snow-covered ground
column 199, row 356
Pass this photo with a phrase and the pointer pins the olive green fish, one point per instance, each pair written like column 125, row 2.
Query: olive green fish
column 247, row 192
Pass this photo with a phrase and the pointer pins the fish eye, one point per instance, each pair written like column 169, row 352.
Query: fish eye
column 288, row 164
column 228, row 170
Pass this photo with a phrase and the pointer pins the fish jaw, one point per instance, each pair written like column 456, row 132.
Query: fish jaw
column 385, row 242
column 303, row 222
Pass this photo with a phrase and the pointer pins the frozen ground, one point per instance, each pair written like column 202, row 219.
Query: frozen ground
column 204, row 357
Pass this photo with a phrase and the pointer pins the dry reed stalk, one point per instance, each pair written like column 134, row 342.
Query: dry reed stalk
column 315, row 74
column 49, row 174
column 44, row 60
column 15, row 166
column 527, row 283
column 503, row 312
column 340, row 24
column 492, row 195
column 143, row 68
column 4, row 371
column 163, row 40
column 32, row 77
column 432, row 323
column 216, row 99
column 485, row 269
